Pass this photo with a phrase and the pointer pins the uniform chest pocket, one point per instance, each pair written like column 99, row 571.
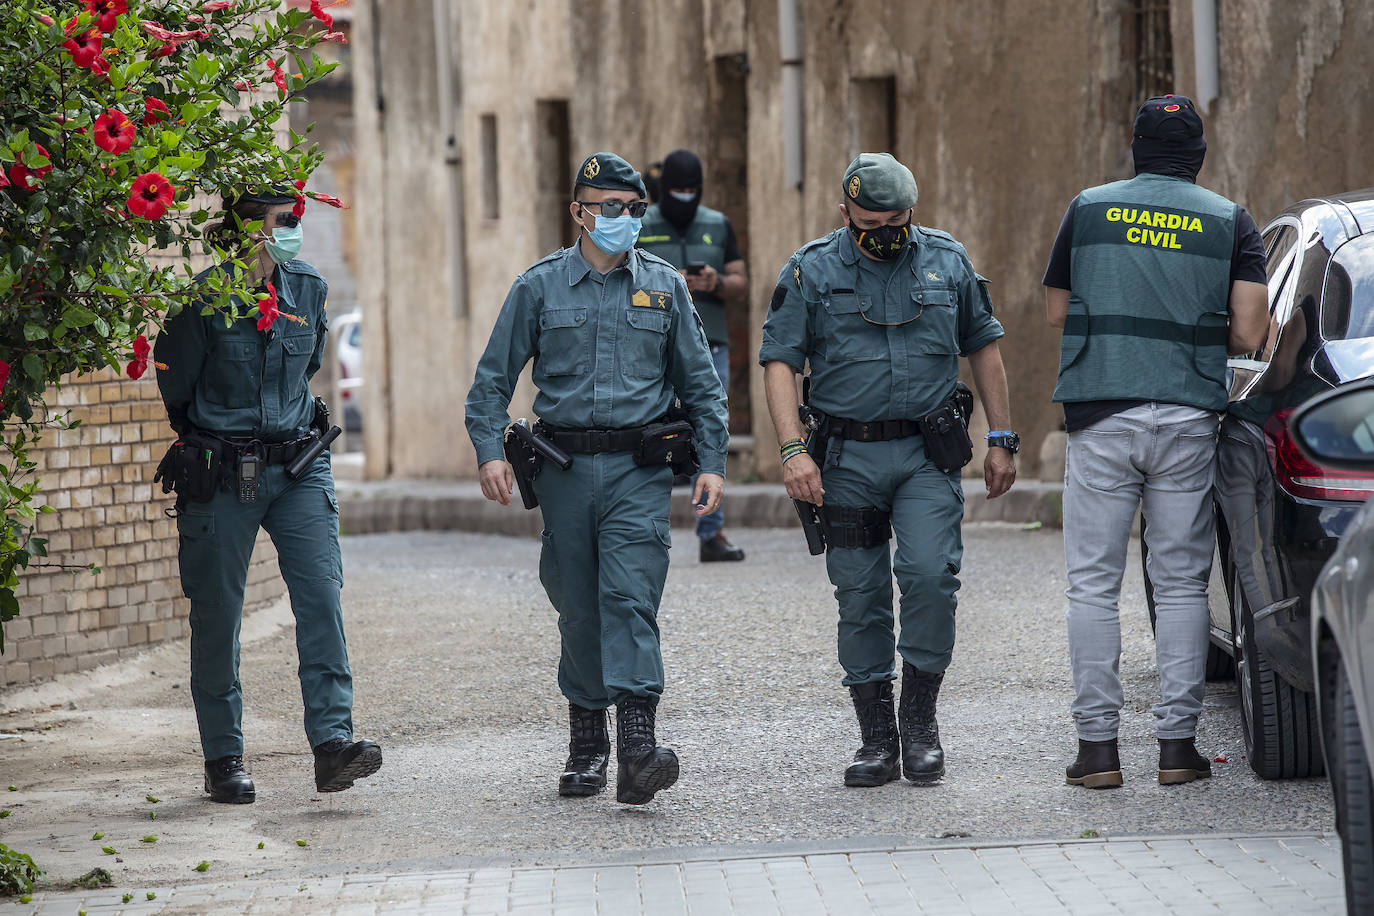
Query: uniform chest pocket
column 848, row 336
column 233, row 373
column 296, row 352
column 646, row 339
column 564, row 343
column 936, row 329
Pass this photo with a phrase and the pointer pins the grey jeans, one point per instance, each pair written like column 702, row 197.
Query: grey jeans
column 1159, row 457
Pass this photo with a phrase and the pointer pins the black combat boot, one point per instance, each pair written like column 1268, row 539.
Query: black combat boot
column 643, row 767
column 923, row 760
column 588, row 750
column 1097, row 767
column 1179, row 761
column 227, row 781
column 878, row 761
column 717, row 549
column 339, row 761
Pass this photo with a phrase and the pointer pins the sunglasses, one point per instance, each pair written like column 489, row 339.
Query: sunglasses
column 613, row 208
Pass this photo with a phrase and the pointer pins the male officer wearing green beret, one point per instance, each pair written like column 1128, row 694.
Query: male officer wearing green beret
column 613, row 336
column 882, row 309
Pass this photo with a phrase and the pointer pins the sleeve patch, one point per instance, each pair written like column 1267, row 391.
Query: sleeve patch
column 779, row 294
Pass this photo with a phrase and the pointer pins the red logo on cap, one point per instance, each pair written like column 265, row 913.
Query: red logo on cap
column 1171, row 108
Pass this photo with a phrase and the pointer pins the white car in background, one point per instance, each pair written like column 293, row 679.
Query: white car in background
column 348, row 335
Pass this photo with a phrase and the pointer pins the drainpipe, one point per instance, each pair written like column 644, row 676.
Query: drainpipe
column 1205, row 52
column 450, row 153
column 793, row 93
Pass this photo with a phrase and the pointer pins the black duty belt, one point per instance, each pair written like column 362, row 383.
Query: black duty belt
column 595, row 441
column 868, row 431
column 272, row 452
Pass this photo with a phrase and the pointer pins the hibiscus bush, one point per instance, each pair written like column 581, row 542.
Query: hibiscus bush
column 122, row 124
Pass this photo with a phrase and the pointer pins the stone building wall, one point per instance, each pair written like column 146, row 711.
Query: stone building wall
column 99, row 478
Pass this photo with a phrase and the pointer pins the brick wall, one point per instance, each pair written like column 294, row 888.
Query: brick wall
column 99, row 478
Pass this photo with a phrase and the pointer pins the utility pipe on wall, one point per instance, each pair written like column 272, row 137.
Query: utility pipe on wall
column 1205, row 52
column 793, row 93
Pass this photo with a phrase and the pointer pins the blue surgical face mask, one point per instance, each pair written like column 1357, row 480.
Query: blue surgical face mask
column 614, row 236
column 285, row 243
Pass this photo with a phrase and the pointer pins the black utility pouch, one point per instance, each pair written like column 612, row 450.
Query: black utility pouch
column 946, row 437
column 671, row 444
column 199, row 467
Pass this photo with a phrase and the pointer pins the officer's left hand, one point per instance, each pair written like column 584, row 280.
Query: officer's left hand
column 999, row 471
column 703, row 282
column 712, row 486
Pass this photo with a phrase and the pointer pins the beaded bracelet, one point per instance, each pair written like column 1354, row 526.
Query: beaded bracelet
column 791, row 449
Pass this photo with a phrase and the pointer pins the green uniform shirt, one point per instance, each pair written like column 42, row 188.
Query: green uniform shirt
column 609, row 352
column 703, row 242
column 864, row 371
column 238, row 380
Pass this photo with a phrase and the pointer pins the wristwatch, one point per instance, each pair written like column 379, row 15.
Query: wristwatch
column 1005, row 438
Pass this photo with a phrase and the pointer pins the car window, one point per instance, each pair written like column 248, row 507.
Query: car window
column 355, row 336
column 1348, row 294
column 1282, row 244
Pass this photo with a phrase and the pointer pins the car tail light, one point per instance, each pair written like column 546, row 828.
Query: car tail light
column 1304, row 478
column 343, row 369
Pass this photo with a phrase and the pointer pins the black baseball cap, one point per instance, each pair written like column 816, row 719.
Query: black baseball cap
column 1173, row 118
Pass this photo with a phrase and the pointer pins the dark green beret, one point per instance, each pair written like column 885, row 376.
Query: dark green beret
column 610, row 173
column 281, row 194
column 876, row 181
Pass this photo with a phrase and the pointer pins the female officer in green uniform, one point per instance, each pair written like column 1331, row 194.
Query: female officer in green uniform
column 248, row 386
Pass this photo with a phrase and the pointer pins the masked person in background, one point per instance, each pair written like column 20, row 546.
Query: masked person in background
column 701, row 244
column 243, row 392
column 1154, row 280
column 613, row 337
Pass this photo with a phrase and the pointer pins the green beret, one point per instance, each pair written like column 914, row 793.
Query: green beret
column 876, row 181
column 610, row 173
column 281, row 194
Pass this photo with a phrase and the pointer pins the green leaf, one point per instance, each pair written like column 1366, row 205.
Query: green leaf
column 33, row 367
column 229, row 94
column 77, row 316
column 150, row 838
column 34, row 331
column 109, row 850
column 203, row 866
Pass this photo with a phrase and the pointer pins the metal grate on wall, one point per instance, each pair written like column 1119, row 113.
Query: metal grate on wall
column 1154, row 49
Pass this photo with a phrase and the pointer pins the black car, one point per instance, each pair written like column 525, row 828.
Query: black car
column 1279, row 514
column 1337, row 430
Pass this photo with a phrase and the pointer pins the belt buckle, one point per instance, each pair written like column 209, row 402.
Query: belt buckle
column 598, row 440
column 864, row 431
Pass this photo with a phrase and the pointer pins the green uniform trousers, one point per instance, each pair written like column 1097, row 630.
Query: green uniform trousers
column 927, row 507
column 217, row 537
column 603, row 565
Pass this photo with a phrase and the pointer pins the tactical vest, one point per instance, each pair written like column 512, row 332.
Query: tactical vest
column 704, row 243
column 1151, row 279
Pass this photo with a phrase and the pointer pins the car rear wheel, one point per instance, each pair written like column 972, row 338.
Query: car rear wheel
column 1282, row 733
column 1354, row 793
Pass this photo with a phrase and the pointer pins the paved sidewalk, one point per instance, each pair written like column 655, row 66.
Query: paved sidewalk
column 1239, row 874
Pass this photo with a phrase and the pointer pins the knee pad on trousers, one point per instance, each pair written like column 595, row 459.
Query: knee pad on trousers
column 852, row 528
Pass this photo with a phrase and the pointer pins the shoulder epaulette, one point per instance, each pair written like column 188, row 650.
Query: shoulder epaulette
column 304, row 268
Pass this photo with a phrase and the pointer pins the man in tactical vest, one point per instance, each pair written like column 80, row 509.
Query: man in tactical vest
column 700, row 243
column 1154, row 281
column 881, row 310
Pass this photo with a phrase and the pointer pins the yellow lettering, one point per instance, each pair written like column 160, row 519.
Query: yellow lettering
column 1133, row 234
column 1174, row 221
column 1113, row 214
column 1173, row 241
column 1195, row 225
column 1128, row 215
column 1161, row 220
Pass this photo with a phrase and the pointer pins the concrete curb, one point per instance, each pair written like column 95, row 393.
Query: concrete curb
column 374, row 507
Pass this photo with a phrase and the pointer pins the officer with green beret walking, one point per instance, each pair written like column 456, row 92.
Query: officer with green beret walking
column 882, row 309
column 612, row 335
column 247, row 388
column 701, row 244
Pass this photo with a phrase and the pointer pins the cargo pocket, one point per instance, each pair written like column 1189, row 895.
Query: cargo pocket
column 934, row 321
column 664, row 530
column 563, row 342
column 645, row 342
column 196, row 554
column 335, row 552
column 549, row 573
column 848, row 337
column 296, row 352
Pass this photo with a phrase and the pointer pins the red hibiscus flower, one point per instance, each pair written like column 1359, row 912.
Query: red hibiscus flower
column 334, row 36
column 139, row 364
column 154, row 110
column 114, row 132
column 214, row 6
column 326, row 199
column 317, row 10
column 43, row 18
column 84, row 47
column 107, row 13
column 163, row 50
column 267, row 308
column 299, row 209
column 278, row 76
column 4, row 179
column 150, row 196
column 25, row 177
column 4, row 376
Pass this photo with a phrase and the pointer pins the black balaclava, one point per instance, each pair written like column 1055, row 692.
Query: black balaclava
column 681, row 169
column 1167, row 138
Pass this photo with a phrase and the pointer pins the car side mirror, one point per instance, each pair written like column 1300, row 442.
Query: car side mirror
column 1337, row 428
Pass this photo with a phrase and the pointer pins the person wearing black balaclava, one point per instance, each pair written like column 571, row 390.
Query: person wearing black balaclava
column 1154, row 280
column 701, row 244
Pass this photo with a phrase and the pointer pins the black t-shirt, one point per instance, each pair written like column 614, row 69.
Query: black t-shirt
column 731, row 244
column 1247, row 263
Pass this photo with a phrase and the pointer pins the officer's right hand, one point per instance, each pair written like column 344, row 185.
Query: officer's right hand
column 802, row 479
column 497, row 480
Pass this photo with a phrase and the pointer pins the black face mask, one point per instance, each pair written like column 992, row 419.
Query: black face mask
column 1177, row 159
column 885, row 242
column 679, row 213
